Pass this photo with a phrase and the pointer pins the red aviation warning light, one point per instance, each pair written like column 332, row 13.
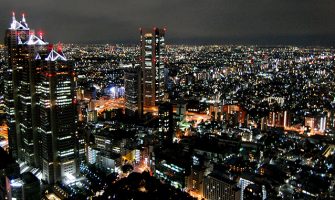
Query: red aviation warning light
column 59, row 47
column 48, row 74
column 50, row 47
column 40, row 34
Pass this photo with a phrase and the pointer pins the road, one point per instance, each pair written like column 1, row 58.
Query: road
column 197, row 117
column 109, row 104
column 4, row 134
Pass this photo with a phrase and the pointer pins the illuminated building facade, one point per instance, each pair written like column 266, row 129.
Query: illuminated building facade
column 40, row 103
column 219, row 187
column 153, row 54
column 165, row 130
column 196, row 180
column 132, row 84
column 15, row 34
column 21, row 90
column 25, row 187
column 171, row 173
column 58, row 117
column 246, row 191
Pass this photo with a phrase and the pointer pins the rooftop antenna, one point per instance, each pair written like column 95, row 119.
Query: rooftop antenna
column 23, row 18
column 40, row 35
column 13, row 16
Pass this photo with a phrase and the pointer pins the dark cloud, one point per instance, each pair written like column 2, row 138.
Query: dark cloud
column 306, row 22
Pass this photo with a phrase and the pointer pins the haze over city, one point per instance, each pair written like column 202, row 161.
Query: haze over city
column 260, row 22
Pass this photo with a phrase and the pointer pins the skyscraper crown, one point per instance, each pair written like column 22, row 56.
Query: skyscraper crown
column 34, row 40
column 54, row 55
column 22, row 25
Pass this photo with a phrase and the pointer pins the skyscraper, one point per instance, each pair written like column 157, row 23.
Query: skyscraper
column 133, row 94
column 39, row 100
column 20, row 90
column 152, row 63
column 14, row 34
column 58, row 117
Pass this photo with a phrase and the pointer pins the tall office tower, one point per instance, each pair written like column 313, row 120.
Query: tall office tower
column 39, row 100
column 165, row 130
column 132, row 84
column 15, row 33
column 153, row 54
column 25, row 98
column 22, row 46
column 58, row 118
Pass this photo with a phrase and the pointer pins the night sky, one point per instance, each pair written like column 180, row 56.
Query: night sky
column 271, row 22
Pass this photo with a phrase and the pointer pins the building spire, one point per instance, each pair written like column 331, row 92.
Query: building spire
column 13, row 16
column 23, row 18
column 40, row 35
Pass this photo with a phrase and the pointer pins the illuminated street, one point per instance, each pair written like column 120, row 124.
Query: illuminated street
column 197, row 118
column 4, row 136
column 103, row 105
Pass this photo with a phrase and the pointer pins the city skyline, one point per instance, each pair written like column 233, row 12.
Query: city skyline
column 158, row 120
column 202, row 22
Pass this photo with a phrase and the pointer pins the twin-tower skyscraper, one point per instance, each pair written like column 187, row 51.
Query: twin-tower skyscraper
column 40, row 103
column 145, row 84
